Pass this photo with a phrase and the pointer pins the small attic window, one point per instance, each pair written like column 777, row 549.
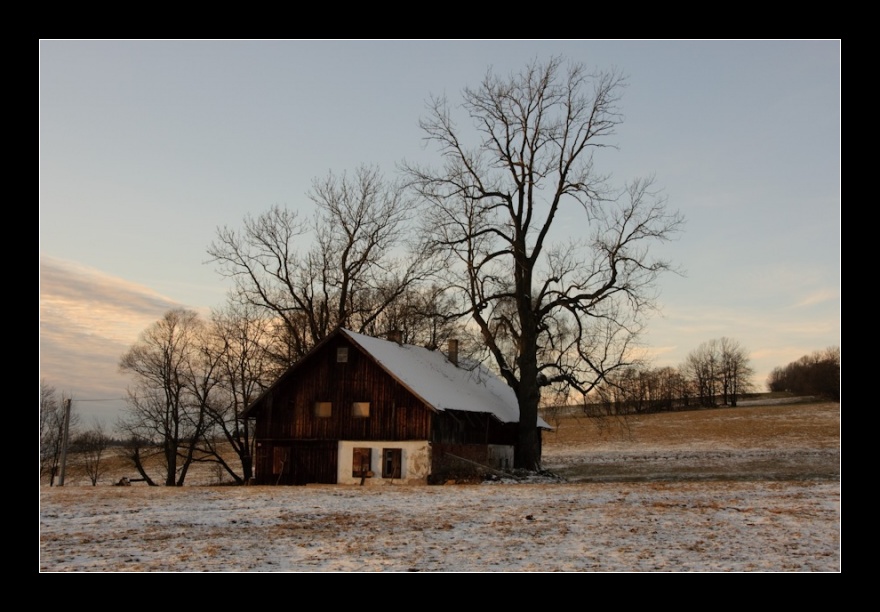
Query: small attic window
column 360, row 410
column 342, row 354
column 323, row 410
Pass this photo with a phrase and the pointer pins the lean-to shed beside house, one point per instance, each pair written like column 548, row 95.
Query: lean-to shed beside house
column 359, row 409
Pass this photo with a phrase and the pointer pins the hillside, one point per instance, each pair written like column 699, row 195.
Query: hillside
column 767, row 442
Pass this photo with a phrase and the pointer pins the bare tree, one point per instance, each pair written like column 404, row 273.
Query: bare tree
column 202, row 373
column 171, row 385
column 552, row 312
column 52, row 430
column 672, row 388
column 422, row 316
column 703, row 367
column 242, row 340
column 90, row 446
column 736, row 371
column 139, row 451
column 719, row 367
column 49, row 430
column 351, row 269
column 638, row 389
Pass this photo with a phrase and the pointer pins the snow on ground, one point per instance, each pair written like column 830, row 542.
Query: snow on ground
column 608, row 527
column 766, row 505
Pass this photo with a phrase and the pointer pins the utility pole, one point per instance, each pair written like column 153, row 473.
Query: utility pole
column 64, row 442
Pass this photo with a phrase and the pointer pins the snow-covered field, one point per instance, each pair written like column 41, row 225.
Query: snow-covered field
column 685, row 514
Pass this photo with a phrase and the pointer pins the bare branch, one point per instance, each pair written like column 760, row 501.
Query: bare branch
column 561, row 316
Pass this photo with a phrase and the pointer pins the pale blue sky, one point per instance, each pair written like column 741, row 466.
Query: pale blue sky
column 146, row 147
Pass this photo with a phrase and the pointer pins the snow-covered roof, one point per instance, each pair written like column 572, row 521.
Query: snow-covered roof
column 468, row 386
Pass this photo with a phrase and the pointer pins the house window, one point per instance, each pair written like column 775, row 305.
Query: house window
column 342, row 354
column 360, row 410
column 281, row 460
column 391, row 462
column 323, row 410
column 360, row 462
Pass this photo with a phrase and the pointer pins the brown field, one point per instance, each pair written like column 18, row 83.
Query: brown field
column 768, row 426
column 770, row 442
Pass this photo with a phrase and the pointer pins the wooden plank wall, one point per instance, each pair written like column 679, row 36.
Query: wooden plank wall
column 395, row 414
column 459, row 427
column 311, row 461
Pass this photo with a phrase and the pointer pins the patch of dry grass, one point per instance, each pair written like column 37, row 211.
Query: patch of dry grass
column 813, row 425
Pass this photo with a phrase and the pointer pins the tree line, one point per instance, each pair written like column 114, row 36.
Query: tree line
column 815, row 374
column 717, row 372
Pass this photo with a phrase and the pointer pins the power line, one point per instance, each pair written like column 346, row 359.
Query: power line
column 105, row 399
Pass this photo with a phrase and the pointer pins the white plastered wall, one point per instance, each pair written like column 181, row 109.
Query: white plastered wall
column 501, row 456
column 414, row 469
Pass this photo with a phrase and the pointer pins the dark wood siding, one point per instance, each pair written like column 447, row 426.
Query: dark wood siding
column 459, row 427
column 296, row 462
column 288, row 411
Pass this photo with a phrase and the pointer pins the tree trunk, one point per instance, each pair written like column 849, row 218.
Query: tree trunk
column 139, row 466
column 527, row 453
column 171, row 464
column 247, row 467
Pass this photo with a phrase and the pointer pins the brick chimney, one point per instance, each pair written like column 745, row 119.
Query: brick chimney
column 395, row 335
column 452, row 352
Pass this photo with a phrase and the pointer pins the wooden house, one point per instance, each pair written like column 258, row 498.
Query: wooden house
column 361, row 410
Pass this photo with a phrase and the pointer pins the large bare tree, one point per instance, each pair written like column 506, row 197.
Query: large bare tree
column 344, row 267
column 550, row 264
column 172, row 383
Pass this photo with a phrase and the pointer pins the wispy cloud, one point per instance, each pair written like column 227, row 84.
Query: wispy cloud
column 818, row 297
column 88, row 319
